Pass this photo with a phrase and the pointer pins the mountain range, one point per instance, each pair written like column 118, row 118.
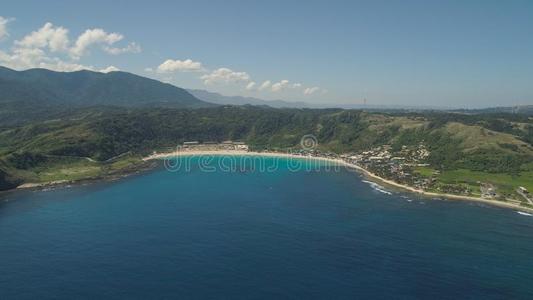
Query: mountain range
column 519, row 109
column 240, row 100
column 87, row 88
column 36, row 92
column 30, row 94
column 217, row 98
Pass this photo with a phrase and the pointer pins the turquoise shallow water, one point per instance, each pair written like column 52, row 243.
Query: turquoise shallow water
column 251, row 234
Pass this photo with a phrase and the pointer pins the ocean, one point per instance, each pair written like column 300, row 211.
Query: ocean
column 246, row 233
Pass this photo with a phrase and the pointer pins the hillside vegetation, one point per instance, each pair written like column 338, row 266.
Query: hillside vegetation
column 497, row 144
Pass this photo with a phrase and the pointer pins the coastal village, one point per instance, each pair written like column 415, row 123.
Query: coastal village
column 214, row 146
column 401, row 166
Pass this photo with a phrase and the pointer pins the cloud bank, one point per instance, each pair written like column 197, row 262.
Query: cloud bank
column 50, row 47
column 227, row 76
column 3, row 27
column 169, row 66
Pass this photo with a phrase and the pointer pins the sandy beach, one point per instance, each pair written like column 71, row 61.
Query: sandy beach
column 340, row 162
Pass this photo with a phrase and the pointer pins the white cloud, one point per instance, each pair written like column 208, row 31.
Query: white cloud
column 285, row 84
column 130, row 48
column 62, row 66
column 3, row 27
column 265, row 85
column 56, row 40
column 48, row 36
column 250, row 86
column 109, row 69
column 180, row 65
column 4, row 56
column 167, row 80
column 225, row 75
column 228, row 76
column 22, row 59
column 312, row 90
column 49, row 47
column 26, row 58
column 91, row 37
column 279, row 86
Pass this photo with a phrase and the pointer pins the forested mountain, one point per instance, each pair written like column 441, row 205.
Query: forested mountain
column 34, row 93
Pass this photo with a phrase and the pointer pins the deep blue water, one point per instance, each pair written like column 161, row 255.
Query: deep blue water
column 283, row 234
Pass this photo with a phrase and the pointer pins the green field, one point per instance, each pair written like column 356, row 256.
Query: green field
column 425, row 171
column 525, row 179
column 505, row 182
column 74, row 169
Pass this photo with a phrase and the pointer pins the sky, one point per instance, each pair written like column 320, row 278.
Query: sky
column 461, row 54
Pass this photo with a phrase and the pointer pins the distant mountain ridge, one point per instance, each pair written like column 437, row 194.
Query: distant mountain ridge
column 519, row 109
column 87, row 88
column 37, row 94
column 220, row 99
column 240, row 100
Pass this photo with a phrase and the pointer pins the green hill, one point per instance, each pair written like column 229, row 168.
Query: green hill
column 39, row 93
column 101, row 133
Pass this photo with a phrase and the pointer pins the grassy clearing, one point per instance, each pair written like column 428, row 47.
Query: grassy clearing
column 477, row 137
column 124, row 163
column 504, row 182
column 72, row 169
column 80, row 169
column 424, row 171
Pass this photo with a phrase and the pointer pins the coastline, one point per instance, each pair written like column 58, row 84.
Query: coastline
column 365, row 172
column 339, row 162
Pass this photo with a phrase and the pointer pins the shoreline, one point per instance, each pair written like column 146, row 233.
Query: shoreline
column 339, row 162
column 370, row 175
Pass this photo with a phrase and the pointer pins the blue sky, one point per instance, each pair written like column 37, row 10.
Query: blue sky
column 431, row 53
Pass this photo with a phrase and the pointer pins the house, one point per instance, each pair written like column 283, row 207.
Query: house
column 191, row 143
column 241, row 147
